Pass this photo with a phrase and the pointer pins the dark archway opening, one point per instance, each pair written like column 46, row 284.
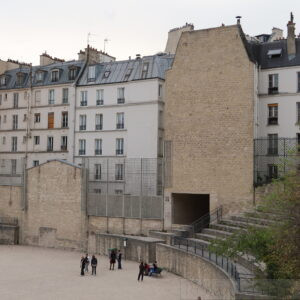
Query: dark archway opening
column 187, row 208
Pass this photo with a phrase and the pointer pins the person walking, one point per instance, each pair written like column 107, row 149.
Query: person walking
column 119, row 258
column 87, row 262
column 112, row 260
column 82, row 265
column 141, row 271
column 94, row 263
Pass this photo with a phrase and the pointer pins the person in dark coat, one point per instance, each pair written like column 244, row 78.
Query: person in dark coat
column 112, row 260
column 82, row 265
column 119, row 258
column 141, row 271
column 94, row 263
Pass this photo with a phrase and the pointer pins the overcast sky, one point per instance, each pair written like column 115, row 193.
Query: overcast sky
column 29, row 27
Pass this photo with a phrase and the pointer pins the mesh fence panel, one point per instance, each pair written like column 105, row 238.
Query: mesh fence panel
column 11, row 172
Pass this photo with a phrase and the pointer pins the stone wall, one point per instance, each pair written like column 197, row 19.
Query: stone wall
column 209, row 116
column 11, row 201
column 196, row 269
column 55, row 216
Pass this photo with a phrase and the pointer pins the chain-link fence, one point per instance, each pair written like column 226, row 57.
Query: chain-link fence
column 11, row 172
column 124, row 187
column 274, row 157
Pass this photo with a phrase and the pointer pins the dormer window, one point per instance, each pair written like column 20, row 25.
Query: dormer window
column 106, row 74
column 91, row 73
column 72, row 73
column 55, row 75
column 20, row 79
column 274, row 53
column 127, row 75
column 145, row 70
column 2, row 80
column 39, row 76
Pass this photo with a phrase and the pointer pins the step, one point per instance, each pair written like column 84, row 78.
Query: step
column 180, row 232
column 182, row 226
column 226, row 228
column 207, row 237
column 239, row 224
column 166, row 236
column 263, row 215
column 251, row 220
column 217, row 233
column 200, row 242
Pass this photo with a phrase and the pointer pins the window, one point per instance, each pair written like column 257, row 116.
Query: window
column 37, row 97
column 64, row 143
column 100, row 97
column 298, row 82
column 36, row 139
column 39, row 76
column 15, row 122
column 51, row 97
column 274, row 53
column 64, row 119
column 128, row 73
column 14, row 144
column 4, row 140
column 13, row 166
column 81, row 147
column 98, row 147
column 273, row 83
column 4, row 119
column 83, row 98
column 160, row 90
column 36, row 163
column 145, row 70
column 37, row 118
column 97, row 191
column 65, row 95
column 24, row 117
column 72, row 73
column 98, row 121
column 50, row 143
column 3, row 80
column 121, row 95
column 120, row 120
column 119, row 146
column 24, row 139
column 51, row 120
column 298, row 112
column 0, row 99
column 82, row 122
column 118, row 192
column 54, row 75
column 97, row 171
column 273, row 144
column 91, row 73
column 273, row 171
column 106, row 74
column 20, row 79
column 273, row 114
column 16, row 100
column 119, row 171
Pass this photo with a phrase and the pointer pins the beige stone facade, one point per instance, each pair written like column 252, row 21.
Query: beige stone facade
column 209, row 119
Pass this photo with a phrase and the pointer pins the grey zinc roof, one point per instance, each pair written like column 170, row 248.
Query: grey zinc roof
column 63, row 78
column 158, row 64
column 266, row 62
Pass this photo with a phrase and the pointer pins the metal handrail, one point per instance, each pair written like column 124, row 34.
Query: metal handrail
column 206, row 219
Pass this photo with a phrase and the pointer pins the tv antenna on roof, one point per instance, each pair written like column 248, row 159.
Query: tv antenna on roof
column 106, row 40
column 89, row 37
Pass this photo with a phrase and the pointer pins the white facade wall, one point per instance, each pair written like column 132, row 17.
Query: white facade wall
column 286, row 99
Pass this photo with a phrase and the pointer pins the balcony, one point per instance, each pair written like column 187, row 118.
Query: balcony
column 63, row 147
column 273, row 90
column 83, row 103
column 82, row 127
column 98, row 127
column 121, row 100
column 99, row 102
column 120, row 125
column 119, row 152
column 64, row 125
column 119, row 177
column 97, row 176
column 82, row 152
column 65, row 101
column 273, row 121
column 49, row 149
column 98, row 151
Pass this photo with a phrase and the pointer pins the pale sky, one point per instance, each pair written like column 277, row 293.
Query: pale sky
column 29, row 27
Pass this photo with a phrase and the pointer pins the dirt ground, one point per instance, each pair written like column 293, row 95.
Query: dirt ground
column 40, row 273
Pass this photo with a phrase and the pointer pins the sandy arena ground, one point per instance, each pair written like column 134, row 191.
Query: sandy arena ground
column 39, row 273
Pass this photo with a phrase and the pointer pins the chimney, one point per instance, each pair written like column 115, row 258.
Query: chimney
column 92, row 55
column 277, row 34
column 46, row 59
column 291, row 42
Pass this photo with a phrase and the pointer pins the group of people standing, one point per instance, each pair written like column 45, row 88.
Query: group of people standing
column 113, row 257
column 145, row 269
